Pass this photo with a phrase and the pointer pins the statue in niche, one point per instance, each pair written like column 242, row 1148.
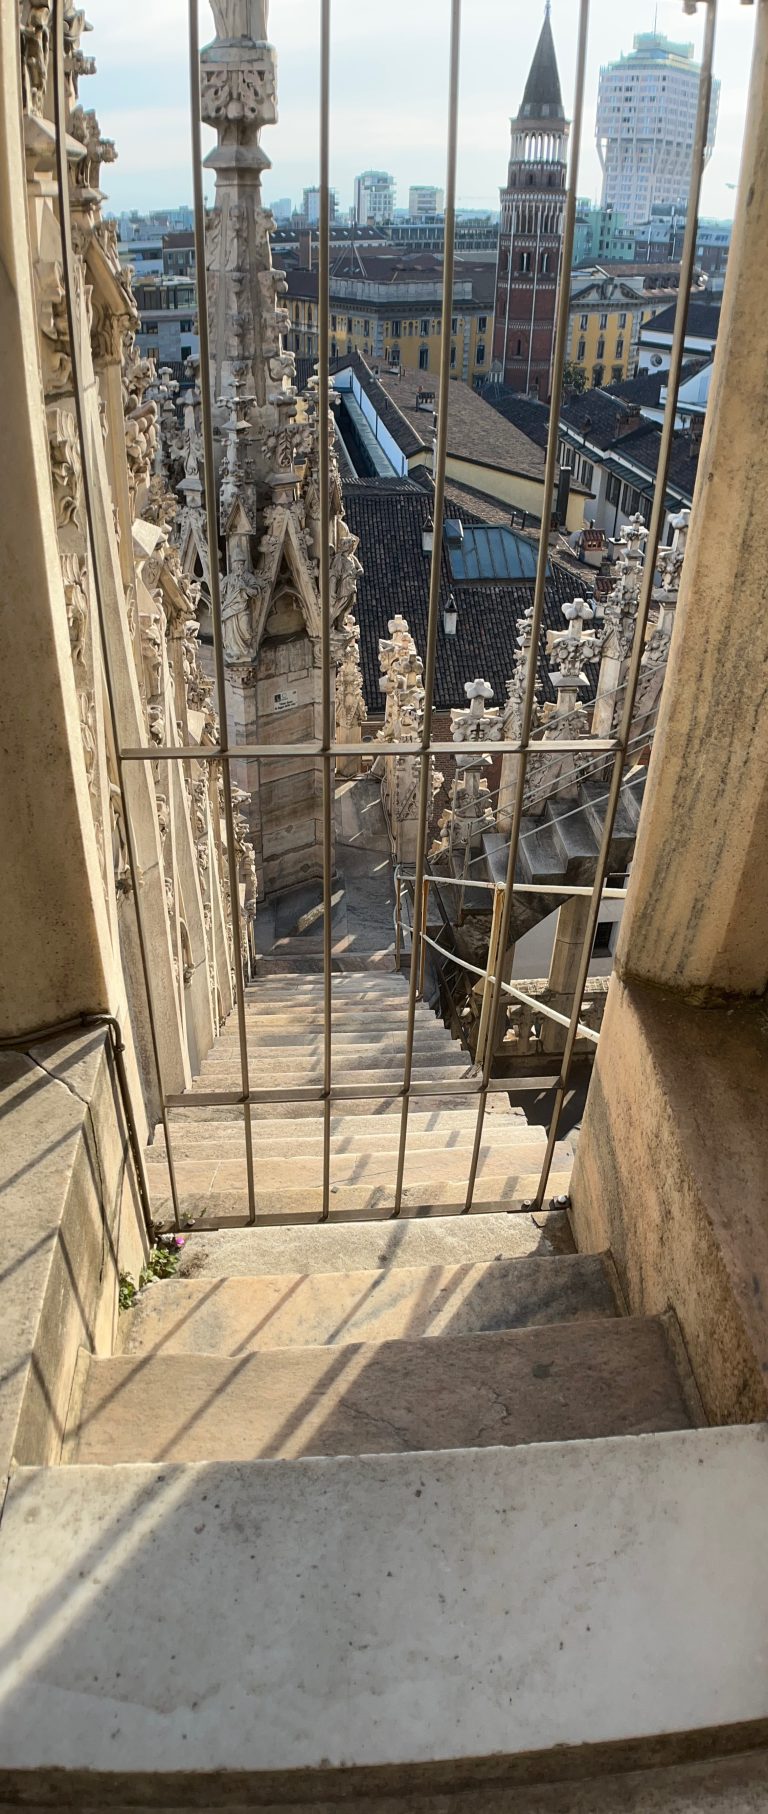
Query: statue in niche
column 238, row 588
column 241, row 19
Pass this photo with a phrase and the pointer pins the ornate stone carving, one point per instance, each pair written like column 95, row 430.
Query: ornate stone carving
column 66, row 464
column 35, row 53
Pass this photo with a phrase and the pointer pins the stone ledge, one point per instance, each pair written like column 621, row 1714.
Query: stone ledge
column 544, row 1605
column 63, row 1152
column 670, row 1174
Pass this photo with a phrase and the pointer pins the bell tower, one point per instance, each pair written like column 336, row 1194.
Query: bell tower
column 531, row 228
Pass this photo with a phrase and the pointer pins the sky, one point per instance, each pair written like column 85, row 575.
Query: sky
column 389, row 91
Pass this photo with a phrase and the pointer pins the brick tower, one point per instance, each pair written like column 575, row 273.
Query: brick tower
column 531, row 228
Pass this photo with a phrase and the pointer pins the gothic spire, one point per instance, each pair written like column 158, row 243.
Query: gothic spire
column 542, row 99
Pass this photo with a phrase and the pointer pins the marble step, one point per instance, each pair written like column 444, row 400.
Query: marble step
column 362, row 1135
column 219, row 1204
column 211, row 1170
column 247, row 1315
column 267, row 1076
column 358, row 1047
column 330, row 1618
column 383, row 1101
column 563, row 1382
column 367, row 1246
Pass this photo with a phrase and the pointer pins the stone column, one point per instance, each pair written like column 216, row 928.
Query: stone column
column 55, row 953
column 673, row 1156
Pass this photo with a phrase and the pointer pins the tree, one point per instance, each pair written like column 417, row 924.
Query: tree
column 574, row 379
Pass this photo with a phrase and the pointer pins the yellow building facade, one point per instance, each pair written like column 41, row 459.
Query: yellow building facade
column 606, row 315
column 395, row 324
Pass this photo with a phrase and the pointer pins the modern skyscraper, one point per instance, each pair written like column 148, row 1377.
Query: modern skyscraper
column 374, row 198
column 646, row 118
column 531, row 228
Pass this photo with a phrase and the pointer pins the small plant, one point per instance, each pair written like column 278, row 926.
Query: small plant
column 127, row 1291
column 161, row 1263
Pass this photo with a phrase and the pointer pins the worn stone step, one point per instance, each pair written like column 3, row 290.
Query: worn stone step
column 267, row 1075
column 381, row 1101
column 328, row 1615
column 210, row 1170
column 559, row 1383
column 246, row 1315
column 363, row 1135
column 366, row 1246
column 359, row 1048
column 219, row 1203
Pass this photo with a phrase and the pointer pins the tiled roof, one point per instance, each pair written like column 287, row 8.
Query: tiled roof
column 646, row 388
column 476, row 431
column 597, row 414
column 643, row 445
column 388, row 517
column 702, row 321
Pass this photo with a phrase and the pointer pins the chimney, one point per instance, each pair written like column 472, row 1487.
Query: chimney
column 305, row 251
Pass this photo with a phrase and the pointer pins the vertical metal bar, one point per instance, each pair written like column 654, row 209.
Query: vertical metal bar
column 73, row 325
column 398, row 909
column 434, row 579
column 493, row 960
column 658, row 512
column 323, row 248
column 214, row 577
column 561, row 336
column 422, row 946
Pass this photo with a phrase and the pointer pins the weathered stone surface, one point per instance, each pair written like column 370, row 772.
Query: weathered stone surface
column 397, row 1612
column 438, row 1241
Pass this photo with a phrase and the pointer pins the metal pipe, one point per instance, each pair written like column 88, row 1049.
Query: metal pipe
column 658, row 512
column 561, row 336
column 327, row 726
column 290, row 751
column 215, row 583
column 435, row 574
column 73, row 325
column 79, row 1023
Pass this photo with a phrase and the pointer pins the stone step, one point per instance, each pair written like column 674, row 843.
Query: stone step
column 247, row 1315
column 210, row 1170
column 265, row 1076
column 358, row 1047
column 323, row 1247
column 381, row 1102
column 312, row 988
column 362, row 1135
column 219, row 1204
column 561, row 1383
column 371, row 1595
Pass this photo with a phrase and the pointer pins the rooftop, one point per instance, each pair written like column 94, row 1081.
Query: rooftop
column 476, row 431
column 542, row 98
column 388, row 516
column 702, row 321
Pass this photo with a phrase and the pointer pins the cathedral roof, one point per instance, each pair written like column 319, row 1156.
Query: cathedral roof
column 542, row 99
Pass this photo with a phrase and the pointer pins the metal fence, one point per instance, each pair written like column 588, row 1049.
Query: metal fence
column 326, row 749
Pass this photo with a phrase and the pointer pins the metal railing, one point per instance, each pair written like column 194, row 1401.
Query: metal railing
column 325, row 748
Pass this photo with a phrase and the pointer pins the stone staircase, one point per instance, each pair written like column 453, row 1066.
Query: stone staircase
column 433, row 1333
column 347, row 1473
column 285, row 1051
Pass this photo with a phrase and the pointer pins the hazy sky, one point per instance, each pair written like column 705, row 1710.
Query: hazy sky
column 389, row 76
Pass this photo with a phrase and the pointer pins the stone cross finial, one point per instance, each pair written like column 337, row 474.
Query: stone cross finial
column 573, row 646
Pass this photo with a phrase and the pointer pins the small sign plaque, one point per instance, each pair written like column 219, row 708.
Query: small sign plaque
column 285, row 700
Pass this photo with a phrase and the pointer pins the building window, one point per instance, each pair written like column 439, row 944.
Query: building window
column 598, row 374
column 480, row 354
column 309, row 314
column 586, row 472
column 333, row 324
column 150, row 327
column 629, row 499
column 613, row 489
column 453, row 355
column 581, row 349
column 423, row 358
column 395, row 330
column 425, row 327
column 603, row 321
column 619, row 347
column 617, row 374
column 623, row 320
column 584, row 323
column 519, row 348
column 566, row 456
column 544, row 265
column 349, row 324
column 482, row 324
column 455, row 325
column 525, row 261
column 186, row 327
column 601, row 349
column 296, row 315
column 366, row 327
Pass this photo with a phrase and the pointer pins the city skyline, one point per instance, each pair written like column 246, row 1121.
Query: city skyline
column 382, row 120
